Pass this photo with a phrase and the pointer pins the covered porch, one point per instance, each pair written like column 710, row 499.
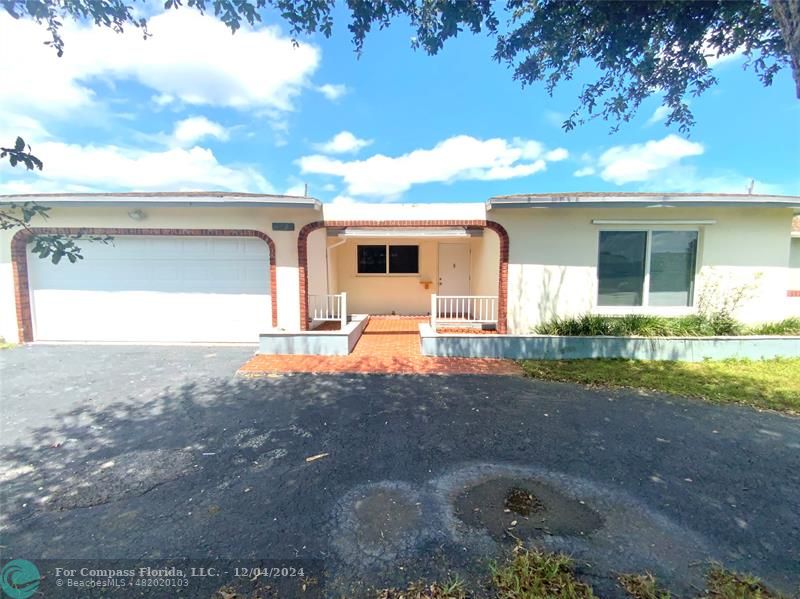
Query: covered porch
column 449, row 274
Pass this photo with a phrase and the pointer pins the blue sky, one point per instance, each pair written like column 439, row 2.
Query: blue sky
column 197, row 108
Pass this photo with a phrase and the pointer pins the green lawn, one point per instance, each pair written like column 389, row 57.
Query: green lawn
column 769, row 384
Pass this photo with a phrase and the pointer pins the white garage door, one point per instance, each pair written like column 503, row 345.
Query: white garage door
column 167, row 289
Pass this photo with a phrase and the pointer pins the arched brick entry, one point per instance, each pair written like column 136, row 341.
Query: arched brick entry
column 502, row 287
column 19, row 261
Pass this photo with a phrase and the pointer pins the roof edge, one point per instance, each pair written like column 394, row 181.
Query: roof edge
column 202, row 198
column 627, row 199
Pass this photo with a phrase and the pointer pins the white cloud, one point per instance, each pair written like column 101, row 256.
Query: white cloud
column 556, row 155
column 298, row 189
column 190, row 130
column 342, row 143
column 584, row 172
column 332, row 91
column 685, row 178
column 658, row 115
column 190, row 58
column 457, row 158
column 70, row 167
column 641, row 162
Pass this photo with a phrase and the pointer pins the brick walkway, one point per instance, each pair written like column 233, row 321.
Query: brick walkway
column 388, row 345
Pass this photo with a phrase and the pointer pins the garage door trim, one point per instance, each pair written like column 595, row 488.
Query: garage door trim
column 19, row 261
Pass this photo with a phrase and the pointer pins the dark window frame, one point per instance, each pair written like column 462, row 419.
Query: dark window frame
column 387, row 271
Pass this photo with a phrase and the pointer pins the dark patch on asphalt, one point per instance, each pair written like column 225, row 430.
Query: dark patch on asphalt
column 485, row 506
column 378, row 524
column 127, row 475
column 522, row 502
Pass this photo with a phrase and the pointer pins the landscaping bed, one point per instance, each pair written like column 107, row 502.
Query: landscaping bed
column 765, row 384
column 642, row 325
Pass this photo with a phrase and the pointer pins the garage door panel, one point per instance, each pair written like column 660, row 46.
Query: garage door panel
column 155, row 289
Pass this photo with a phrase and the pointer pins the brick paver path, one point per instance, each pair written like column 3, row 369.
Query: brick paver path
column 388, row 345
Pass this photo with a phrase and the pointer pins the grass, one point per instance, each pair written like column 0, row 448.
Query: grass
column 643, row 325
column 538, row 574
column 766, row 384
column 643, row 586
column 535, row 574
column 726, row 584
column 4, row 344
column 452, row 589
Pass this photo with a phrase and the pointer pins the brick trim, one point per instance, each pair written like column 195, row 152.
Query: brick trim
column 19, row 261
column 502, row 288
column 793, row 293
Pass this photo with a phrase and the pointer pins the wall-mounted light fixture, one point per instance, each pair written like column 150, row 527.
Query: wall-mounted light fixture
column 137, row 214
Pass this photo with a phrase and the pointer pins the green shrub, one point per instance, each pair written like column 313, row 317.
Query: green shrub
column 787, row 326
column 644, row 325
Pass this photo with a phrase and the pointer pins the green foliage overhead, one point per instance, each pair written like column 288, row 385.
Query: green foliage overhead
column 642, row 47
column 20, row 153
column 18, row 215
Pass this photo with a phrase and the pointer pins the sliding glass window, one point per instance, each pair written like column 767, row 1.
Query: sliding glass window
column 646, row 268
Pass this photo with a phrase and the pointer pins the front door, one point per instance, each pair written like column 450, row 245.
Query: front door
column 453, row 269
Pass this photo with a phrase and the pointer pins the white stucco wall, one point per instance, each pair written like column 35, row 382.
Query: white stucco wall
column 260, row 219
column 554, row 252
column 794, row 265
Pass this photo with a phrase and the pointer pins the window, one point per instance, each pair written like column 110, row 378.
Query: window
column 402, row 259
column 371, row 259
column 646, row 268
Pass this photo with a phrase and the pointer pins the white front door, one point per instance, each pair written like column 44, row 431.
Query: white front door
column 160, row 289
column 453, row 269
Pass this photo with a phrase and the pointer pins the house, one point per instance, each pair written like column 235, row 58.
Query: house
column 225, row 267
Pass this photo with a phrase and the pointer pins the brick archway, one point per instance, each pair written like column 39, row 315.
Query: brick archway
column 19, row 261
column 502, row 285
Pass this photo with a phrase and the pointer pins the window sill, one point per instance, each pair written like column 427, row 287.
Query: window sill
column 387, row 274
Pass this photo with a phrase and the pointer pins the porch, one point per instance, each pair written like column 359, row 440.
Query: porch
column 455, row 275
column 388, row 344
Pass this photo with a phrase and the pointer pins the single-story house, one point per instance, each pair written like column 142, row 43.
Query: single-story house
column 225, row 267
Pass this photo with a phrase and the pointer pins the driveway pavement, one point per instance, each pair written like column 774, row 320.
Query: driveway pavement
column 132, row 452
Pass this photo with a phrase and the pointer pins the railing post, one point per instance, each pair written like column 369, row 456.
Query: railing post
column 434, row 308
column 343, row 306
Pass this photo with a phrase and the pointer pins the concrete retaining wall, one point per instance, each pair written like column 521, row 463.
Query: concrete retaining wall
column 319, row 343
column 549, row 347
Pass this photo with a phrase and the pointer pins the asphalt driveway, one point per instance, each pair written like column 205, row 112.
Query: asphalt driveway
column 136, row 453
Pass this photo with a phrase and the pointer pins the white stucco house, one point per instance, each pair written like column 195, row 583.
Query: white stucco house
column 225, row 267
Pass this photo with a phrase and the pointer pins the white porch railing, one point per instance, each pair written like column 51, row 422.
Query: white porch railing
column 478, row 309
column 329, row 307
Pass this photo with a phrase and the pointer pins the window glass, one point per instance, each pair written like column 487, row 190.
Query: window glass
column 620, row 268
column 372, row 259
column 672, row 264
column 404, row 259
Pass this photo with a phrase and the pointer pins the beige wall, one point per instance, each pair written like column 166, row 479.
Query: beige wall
column 404, row 294
column 260, row 219
column 384, row 294
column 794, row 265
column 553, row 258
column 485, row 267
